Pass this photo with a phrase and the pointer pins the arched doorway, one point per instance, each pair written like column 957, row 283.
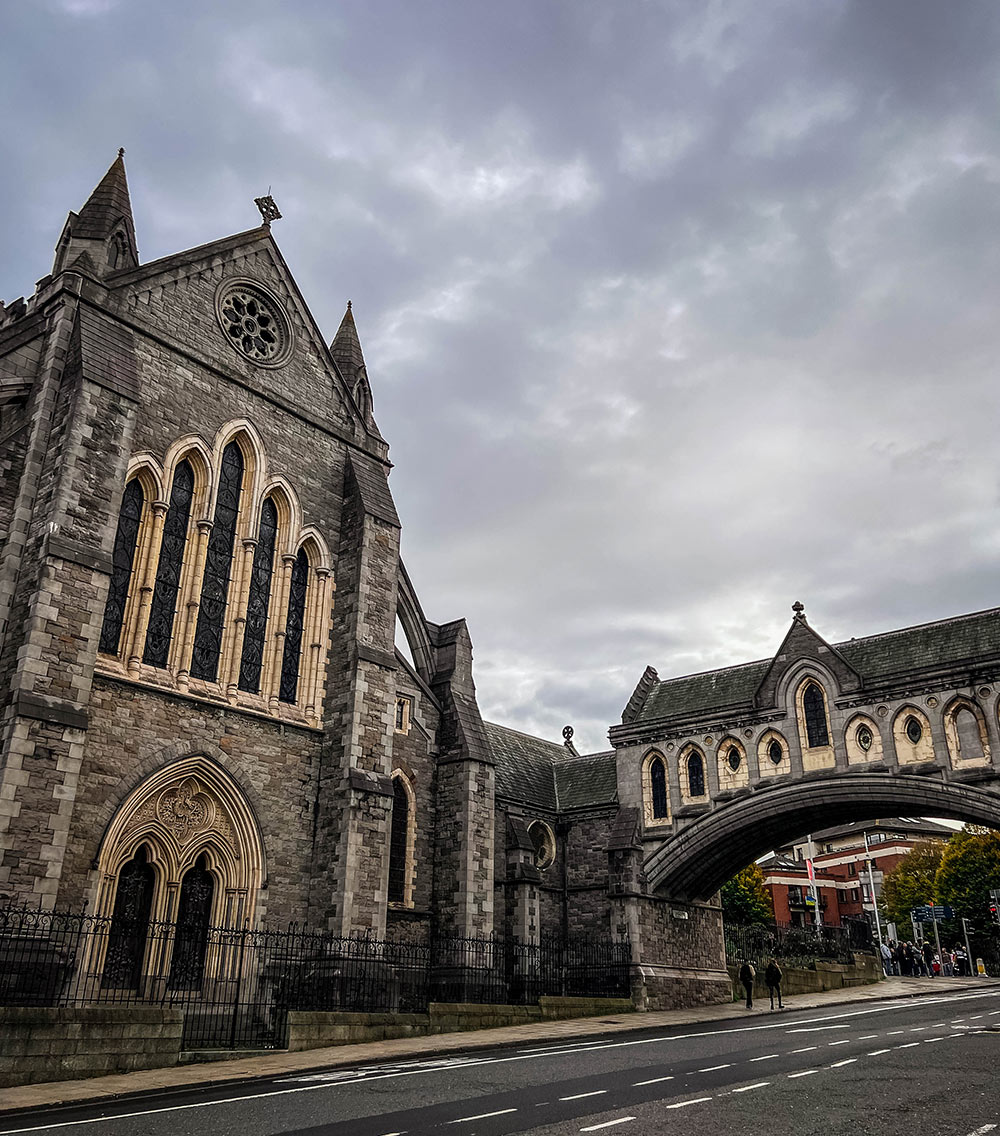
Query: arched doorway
column 194, row 913
column 129, row 930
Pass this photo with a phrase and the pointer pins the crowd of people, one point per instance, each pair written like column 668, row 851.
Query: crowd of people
column 911, row 960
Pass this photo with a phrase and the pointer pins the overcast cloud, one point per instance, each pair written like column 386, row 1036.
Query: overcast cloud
column 674, row 313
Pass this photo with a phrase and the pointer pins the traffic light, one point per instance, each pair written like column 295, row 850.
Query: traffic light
column 995, row 905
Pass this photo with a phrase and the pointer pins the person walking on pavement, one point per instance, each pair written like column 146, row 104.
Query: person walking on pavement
column 928, row 952
column 747, row 975
column 772, row 976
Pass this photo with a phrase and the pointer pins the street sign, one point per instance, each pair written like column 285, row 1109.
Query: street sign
column 928, row 913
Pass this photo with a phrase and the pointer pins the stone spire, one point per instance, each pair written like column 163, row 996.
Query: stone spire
column 103, row 229
column 346, row 348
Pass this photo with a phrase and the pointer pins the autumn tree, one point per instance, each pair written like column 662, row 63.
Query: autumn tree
column 912, row 882
column 745, row 898
column 969, row 868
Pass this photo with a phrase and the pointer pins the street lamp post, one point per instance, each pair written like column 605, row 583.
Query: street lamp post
column 871, row 886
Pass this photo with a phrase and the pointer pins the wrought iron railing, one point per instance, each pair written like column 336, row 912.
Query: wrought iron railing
column 795, row 946
column 236, row 985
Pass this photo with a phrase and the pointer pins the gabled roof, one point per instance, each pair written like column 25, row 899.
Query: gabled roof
column 972, row 639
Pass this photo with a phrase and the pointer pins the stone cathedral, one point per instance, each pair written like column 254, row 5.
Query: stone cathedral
column 204, row 712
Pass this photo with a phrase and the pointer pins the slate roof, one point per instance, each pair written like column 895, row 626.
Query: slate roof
column 537, row 772
column 927, row 646
column 346, row 347
column 108, row 204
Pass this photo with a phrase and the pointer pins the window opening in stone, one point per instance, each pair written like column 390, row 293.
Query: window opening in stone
column 865, row 738
column 914, row 731
column 253, row 324
column 733, row 758
column 218, row 565
column 163, row 606
column 130, row 923
column 775, row 752
column 814, row 709
column 658, row 786
column 544, row 843
column 259, row 599
column 293, row 629
column 187, row 966
column 397, row 841
column 126, row 537
column 402, row 715
column 696, row 776
column 970, row 741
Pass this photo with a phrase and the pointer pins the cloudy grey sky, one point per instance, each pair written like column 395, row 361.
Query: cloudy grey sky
column 674, row 312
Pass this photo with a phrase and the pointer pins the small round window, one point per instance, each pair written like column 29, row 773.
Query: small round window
column 775, row 752
column 253, row 322
column 914, row 731
column 544, row 842
column 733, row 758
column 865, row 738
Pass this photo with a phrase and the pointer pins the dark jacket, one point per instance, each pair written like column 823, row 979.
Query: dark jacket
column 747, row 974
column 772, row 976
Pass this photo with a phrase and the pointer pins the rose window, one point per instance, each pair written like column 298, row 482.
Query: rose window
column 254, row 324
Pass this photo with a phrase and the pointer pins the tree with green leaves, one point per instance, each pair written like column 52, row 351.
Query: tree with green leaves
column 969, row 868
column 745, row 898
column 912, row 883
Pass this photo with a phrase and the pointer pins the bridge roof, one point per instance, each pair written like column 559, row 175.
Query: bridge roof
column 545, row 774
column 962, row 639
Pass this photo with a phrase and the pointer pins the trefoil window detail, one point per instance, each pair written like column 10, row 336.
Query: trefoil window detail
column 163, row 606
column 259, row 600
column 126, row 538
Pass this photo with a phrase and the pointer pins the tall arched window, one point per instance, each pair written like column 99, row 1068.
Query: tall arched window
column 126, row 537
column 259, row 600
column 814, row 712
column 218, row 564
column 696, row 775
column 398, row 841
column 130, row 923
column 187, row 966
column 163, row 606
column 658, row 788
column 288, row 690
column 970, row 740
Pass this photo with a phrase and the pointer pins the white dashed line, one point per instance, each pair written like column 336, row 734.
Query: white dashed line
column 684, row 1104
column 868, row 1037
column 908, row 1045
column 607, row 1124
column 892, row 1033
column 747, row 1088
column 654, row 1081
column 712, row 1068
column 876, row 1052
column 931, row 1040
column 838, row 1064
column 917, row 1029
column 580, row 1096
column 973, row 1017
column 482, row 1116
column 805, row 1049
column 807, row 1073
column 766, row 1057
column 846, row 1041
column 982, row 1131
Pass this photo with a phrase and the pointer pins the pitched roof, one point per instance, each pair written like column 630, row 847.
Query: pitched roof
column 927, row 646
column 346, row 347
column 106, row 206
column 586, row 781
column 537, row 772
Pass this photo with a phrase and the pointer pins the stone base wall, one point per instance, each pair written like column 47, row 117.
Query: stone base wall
column 813, row 980
column 682, row 963
column 44, row 1044
column 319, row 1029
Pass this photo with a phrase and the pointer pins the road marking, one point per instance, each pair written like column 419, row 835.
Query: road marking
column 805, row 1049
column 684, row 1104
column 580, row 1096
column 766, row 1057
column 712, row 1068
column 962, row 1034
column 908, row 1045
column 876, row 1052
column 982, row 1131
column 892, row 1033
column 972, row 1017
column 931, row 1040
column 819, row 1029
column 845, row 1041
column 868, row 1037
column 838, row 1064
column 807, row 1073
column 747, row 1088
column 482, row 1116
column 917, row 1029
column 607, row 1124
column 654, row 1081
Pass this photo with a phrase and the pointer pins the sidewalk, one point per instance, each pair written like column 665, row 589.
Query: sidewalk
column 283, row 1064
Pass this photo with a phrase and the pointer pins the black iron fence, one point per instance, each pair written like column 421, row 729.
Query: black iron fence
column 236, row 985
column 796, row 946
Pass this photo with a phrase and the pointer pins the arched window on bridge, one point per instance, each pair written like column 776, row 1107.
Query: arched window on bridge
column 772, row 755
column 814, row 714
column 696, row 774
column 965, row 730
column 655, row 792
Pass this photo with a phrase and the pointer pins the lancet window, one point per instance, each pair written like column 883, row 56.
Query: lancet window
column 126, row 538
column 293, row 628
column 814, row 712
column 163, row 606
column 399, row 841
column 658, row 788
column 259, row 600
column 696, row 775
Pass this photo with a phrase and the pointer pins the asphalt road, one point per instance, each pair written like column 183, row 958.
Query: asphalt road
column 928, row 1065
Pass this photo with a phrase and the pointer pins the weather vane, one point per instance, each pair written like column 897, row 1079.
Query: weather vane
column 268, row 210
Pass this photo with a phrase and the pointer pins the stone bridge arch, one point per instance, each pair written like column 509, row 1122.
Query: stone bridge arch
column 694, row 863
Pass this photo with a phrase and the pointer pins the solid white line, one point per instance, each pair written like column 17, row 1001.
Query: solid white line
column 747, row 1088
column 838, row 1064
column 807, row 1073
column 482, row 1116
column 712, row 1068
column 654, row 1081
column 607, row 1124
column 767, row 1057
column 580, row 1096
column 805, row 1049
column 876, row 1052
column 684, row 1104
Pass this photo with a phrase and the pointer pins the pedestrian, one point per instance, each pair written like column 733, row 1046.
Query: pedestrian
column 947, row 963
column 894, row 948
column 772, row 976
column 886, row 959
column 928, row 953
column 747, row 975
column 906, row 960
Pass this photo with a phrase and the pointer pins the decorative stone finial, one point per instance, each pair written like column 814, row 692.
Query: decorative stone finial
column 121, row 151
column 268, row 209
column 799, row 609
column 348, row 305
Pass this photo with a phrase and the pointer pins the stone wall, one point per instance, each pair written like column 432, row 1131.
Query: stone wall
column 823, row 975
column 45, row 1044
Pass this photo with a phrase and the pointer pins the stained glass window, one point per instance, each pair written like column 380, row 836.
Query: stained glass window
column 288, row 691
column 121, row 566
column 914, row 731
column 814, row 709
column 658, row 784
column 865, row 737
column 733, row 758
column 259, row 600
column 218, row 564
column 163, row 606
column 696, row 775
column 187, row 967
column 397, row 842
column 775, row 752
column 130, row 923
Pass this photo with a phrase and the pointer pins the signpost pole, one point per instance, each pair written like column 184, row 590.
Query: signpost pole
column 871, row 887
column 817, row 914
column 968, row 951
column 937, row 938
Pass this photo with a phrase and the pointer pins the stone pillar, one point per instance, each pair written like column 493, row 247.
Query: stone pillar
column 523, row 878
